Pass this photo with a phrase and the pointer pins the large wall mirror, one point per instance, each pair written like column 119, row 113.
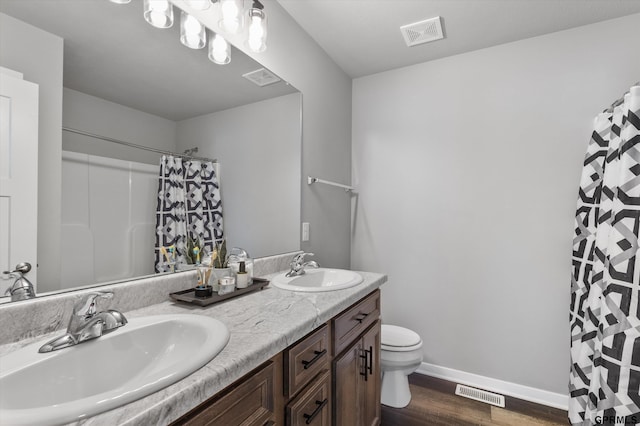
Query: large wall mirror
column 124, row 80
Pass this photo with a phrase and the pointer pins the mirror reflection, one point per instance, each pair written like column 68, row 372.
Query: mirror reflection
column 108, row 80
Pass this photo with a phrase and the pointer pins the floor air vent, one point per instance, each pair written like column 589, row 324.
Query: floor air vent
column 480, row 395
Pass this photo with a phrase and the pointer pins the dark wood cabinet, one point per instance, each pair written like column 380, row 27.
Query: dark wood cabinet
column 305, row 359
column 356, row 365
column 346, row 372
column 249, row 402
column 329, row 377
column 313, row 405
column 372, row 383
column 356, row 381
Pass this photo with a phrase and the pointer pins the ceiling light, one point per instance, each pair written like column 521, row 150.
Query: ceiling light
column 192, row 32
column 158, row 13
column 231, row 11
column 219, row 49
column 257, row 40
column 120, row 1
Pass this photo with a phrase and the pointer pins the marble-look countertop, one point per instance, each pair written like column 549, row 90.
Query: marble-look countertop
column 261, row 325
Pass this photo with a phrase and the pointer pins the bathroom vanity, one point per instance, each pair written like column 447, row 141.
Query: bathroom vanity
column 331, row 376
column 292, row 357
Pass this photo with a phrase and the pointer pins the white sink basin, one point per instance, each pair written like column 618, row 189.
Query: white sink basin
column 320, row 279
column 133, row 361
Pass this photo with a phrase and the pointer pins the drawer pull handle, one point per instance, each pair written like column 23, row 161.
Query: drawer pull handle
column 318, row 355
column 320, row 405
column 360, row 317
column 370, row 364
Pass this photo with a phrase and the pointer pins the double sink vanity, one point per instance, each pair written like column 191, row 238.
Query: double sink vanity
column 304, row 350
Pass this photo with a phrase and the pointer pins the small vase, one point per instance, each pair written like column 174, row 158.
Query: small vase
column 216, row 274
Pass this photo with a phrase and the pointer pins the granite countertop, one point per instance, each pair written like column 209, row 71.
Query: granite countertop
column 261, row 325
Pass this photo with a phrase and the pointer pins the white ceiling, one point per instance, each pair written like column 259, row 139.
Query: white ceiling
column 363, row 36
column 112, row 53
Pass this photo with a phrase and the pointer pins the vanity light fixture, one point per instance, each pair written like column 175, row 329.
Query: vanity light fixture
column 219, row 49
column 232, row 19
column 158, row 13
column 192, row 32
column 257, row 40
column 199, row 4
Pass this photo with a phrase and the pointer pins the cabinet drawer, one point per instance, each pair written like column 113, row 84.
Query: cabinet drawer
column 313, row 405
column 251, row 403
column 348, row 325
column 305, row 359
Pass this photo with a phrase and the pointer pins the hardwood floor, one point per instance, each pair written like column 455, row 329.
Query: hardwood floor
column 434, row 403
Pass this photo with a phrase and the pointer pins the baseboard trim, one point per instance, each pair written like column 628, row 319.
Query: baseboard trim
column 539, row 396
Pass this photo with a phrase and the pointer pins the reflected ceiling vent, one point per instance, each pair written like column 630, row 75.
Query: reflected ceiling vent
column 262, row 77
column 422, row 32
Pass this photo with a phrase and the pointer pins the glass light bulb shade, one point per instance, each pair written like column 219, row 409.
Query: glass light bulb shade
column 192, row 32
column 232, row 15
column 158, row 13
column 120, row 1
column 219, row 49
column 199, row 4
column 257, row 39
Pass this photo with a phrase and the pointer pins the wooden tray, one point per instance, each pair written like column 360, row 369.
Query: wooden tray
column 189, row 296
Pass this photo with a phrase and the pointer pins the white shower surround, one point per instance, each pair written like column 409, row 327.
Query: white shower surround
column 98, row 191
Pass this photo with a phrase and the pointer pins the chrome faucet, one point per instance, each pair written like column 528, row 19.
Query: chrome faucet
column 21, row 289
column 298, row 264
column 86, row 323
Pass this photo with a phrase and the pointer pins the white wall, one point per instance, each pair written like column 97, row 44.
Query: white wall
column 468, row 169
column 258, row 151
column 38, row 55
column 326, row 126
column 102, row 243
column 101, row 117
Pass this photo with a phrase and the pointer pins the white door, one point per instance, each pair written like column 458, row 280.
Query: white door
column 18, row 174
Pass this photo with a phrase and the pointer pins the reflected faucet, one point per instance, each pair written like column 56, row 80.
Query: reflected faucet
column 86, row 323
column 298, row 264
column 21, row 289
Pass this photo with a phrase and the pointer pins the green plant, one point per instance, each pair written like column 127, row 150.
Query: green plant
column 219, row 255
column 192, row 243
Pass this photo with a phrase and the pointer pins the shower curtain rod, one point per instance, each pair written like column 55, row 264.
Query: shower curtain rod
column 621, row 100
column 134, row 145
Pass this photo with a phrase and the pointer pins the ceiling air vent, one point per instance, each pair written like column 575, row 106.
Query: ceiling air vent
column 261, row 77
column 422, row 32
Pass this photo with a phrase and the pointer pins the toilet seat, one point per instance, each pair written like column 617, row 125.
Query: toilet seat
column 399, row 339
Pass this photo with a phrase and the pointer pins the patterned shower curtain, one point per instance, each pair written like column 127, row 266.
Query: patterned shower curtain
column 189, row 206
column 605, row 288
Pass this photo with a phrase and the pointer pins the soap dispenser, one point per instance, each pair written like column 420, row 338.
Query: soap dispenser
column 237, row 255
column 242, row 278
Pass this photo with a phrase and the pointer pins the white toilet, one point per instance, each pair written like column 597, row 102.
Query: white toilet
column 400, row 355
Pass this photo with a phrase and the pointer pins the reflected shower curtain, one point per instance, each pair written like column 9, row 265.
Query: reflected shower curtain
column 189, row 206
column 605, row 289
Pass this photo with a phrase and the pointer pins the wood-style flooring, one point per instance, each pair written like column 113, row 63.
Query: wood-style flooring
column 434, row 403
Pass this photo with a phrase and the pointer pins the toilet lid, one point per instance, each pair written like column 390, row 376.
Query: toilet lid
column 392, row 335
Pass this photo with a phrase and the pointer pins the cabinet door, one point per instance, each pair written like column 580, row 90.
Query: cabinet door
column 347, row 383
column 371, row 385
column 313, row 405
column 251, row 403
